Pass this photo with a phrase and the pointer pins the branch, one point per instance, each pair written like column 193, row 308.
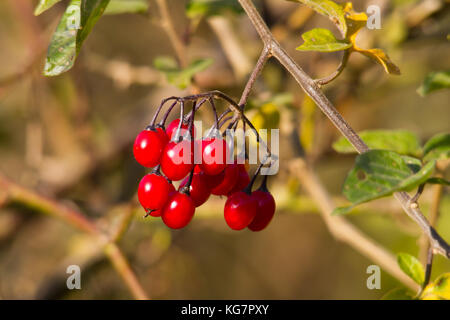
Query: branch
column 167, row 24
column 312, row 89
column 13, row 193
column 344, row 231
column 239, row 61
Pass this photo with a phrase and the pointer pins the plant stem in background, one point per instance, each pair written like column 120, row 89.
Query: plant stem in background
column 311, row 88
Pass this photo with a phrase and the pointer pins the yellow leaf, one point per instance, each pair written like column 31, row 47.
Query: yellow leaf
column 438, row 290
column 379, row 56
column 307, row 123
column 355, row 21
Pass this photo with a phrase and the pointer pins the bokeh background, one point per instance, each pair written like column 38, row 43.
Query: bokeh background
column 69, row 138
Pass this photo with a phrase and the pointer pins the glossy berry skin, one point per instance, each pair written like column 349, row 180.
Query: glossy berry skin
column 214, row 156
column 265, row 210
column 173, row 126
column 158, row 212
column 162, row 135
column 199, row 191
column 243, row 179
column 153, row 191
column 227, row 179
column 177, row 159
column 148, row 148
column 178, row 211
column 240, row 210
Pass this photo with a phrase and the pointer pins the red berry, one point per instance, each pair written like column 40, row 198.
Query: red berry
column 240, row 210
column 265, row 210
column 199, row 190
column 163, row 135
column 148, row 148
column 226, row 180
column 214, row 156
column 178, row 211
column 153, row 191
column 243, row 179
column 157, row 212
column 177, row 159
column 173, row 126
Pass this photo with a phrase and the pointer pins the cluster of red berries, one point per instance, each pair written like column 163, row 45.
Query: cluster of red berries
column 163, row 149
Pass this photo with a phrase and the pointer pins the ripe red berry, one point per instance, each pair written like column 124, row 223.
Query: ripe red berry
column 240, row 210
column 227, row 179
column 265, row 210
column 214, row 155
column 173, row 126
column 243, row 179
column 158, row 212
column 177, row 159
column 178, row 211
column 162, row 135
column 148, row 148
column 153, row 191
column 199, row 190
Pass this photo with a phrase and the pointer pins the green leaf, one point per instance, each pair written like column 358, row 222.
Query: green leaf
column 437, row 148
column 437, row 290
column 412, row 267
column 398, row 294
column 180, row 78
column 73, row 28
column 196, row 9
column 379, row 173
column 413, row 163
column 126, row 6
column 437, row 180
column 330, row 9
column 400, row 141
column 44, row 5
column 434, row 81
column 322, row 40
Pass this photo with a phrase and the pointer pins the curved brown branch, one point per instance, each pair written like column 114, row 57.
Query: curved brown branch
column 13, row 193
column 311, row 88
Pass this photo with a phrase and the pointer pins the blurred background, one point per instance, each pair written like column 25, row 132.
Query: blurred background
column 70, row 138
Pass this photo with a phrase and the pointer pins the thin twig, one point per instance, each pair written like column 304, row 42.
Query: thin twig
column 428, row 268
column 341, row 229
column 223, row 29
column 167, row 24
column 265, row 55
column 13, row 193
column 337, row 72
column 312, row 89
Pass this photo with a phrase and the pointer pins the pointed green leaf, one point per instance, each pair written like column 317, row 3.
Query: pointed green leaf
column 437, row 148
column 177, row 77
column 73, row 28
column 379, row 173
column 400, row 141
column 435, row 81
column 322, row 40
column 412, row 267
column 330, row 9
column 126, row 6
column 436, row 180
column 196, row 9
column 44, row 5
